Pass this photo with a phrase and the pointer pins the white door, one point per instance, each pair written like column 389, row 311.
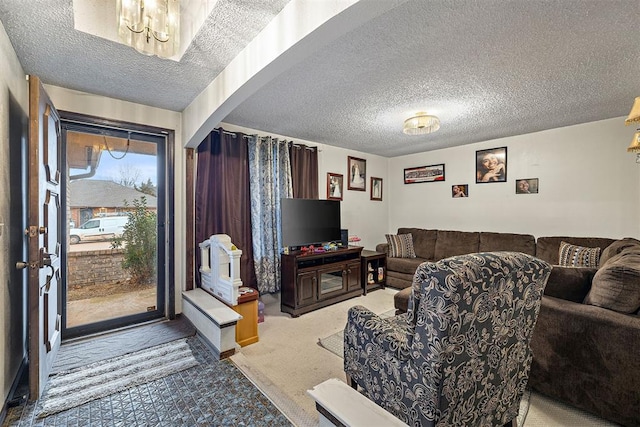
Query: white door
column 44, row 234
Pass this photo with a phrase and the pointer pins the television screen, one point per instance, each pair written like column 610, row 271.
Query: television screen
column 309, row 221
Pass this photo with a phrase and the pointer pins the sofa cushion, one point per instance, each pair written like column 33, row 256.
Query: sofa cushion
column 452, row 243
column 616, row 247
column 547, row 248
column 578, row 256
column 398, row 280
column 570, row 283
column 492, row 242
column 404, row 265
column 424, row 241
column 616, row 285
column 400, row 246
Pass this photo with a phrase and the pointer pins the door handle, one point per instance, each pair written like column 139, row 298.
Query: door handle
column 45, row 259
column 21, row 265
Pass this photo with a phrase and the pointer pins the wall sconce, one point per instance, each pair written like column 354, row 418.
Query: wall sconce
column 152, row 27
column 634, row 116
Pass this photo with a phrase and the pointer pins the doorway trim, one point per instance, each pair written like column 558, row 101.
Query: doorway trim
column 72, row 121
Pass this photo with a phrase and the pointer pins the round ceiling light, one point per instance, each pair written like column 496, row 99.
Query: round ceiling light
column 421, row 124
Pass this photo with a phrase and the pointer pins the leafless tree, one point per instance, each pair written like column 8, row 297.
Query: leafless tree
column 129, row 175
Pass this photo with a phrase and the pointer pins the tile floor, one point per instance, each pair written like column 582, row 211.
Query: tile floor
column 215, row 393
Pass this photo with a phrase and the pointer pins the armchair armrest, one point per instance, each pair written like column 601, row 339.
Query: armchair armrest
column 365, row 327
column 382, row 247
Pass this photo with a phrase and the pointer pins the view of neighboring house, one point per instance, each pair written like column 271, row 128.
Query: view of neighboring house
column 92, row 198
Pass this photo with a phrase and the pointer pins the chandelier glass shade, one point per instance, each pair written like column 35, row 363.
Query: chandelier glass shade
column 634, row 115
column 421, row 124
column 152, row 27
column 634, row 147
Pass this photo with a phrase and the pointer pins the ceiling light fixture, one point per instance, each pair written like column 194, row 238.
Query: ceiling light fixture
column 634, row 116
column 152, row 27
column 421, row 124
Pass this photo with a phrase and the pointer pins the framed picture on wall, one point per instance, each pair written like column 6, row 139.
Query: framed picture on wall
column 334, row 186
column 491, row 165
column 357, row 170
column 459, row 190
column 376, row 188
column 424, row 174
column 527, row 186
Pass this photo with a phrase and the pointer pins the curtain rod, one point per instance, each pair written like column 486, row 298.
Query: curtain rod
column 233, row 134
column 293, row 144
column 306, row 147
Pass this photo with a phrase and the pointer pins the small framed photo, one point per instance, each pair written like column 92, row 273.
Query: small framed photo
column 491, row 165
column 459, row 190
column 334, row 186
column 424, row 174
column 376, row 188
column 527, row 186
column 357, row 173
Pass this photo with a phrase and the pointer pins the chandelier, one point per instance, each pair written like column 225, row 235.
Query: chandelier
column 152, row 27
column 421, row 124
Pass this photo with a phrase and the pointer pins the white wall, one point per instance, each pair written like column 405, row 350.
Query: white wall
column 588, row 186
column 359, row 214
column 12, row 85
column 362, row 216
column 109, row 108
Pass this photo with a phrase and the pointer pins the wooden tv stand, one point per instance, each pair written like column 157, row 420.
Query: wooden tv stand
column 316, row 280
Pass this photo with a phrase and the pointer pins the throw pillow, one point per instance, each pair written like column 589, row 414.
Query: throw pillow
column 400, row 246
column 616, row 285
column 616, row 247
column 578, row 256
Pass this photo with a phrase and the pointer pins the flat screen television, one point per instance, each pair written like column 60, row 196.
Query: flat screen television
column 309, row 221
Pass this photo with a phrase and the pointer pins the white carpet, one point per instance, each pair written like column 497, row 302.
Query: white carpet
column 75, row 387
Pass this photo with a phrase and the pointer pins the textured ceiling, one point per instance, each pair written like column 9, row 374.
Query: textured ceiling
column 47, row 45
column 488, row 69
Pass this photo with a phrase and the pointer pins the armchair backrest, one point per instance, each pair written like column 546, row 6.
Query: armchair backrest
column 471, row 319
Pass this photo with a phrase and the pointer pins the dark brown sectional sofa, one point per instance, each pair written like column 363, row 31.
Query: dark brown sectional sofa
column 585, row 354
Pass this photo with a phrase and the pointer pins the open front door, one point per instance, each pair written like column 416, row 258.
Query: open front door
column 44, row 233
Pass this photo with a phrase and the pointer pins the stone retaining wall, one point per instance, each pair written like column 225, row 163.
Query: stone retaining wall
column 100, row 267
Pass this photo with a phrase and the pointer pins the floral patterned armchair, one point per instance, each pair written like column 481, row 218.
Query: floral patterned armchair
column 460, row 356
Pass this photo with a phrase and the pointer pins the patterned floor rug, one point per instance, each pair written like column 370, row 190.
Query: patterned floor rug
column 83, row 351
column 81, row 385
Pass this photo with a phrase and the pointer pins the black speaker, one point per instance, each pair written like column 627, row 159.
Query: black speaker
column 344, row 237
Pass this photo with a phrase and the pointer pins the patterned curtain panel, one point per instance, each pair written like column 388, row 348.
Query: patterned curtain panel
column 304, row 171
column 270, row 181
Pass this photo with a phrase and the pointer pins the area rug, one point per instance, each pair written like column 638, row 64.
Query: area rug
column 335, row 344
column 74, row 354
column 81, row 385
